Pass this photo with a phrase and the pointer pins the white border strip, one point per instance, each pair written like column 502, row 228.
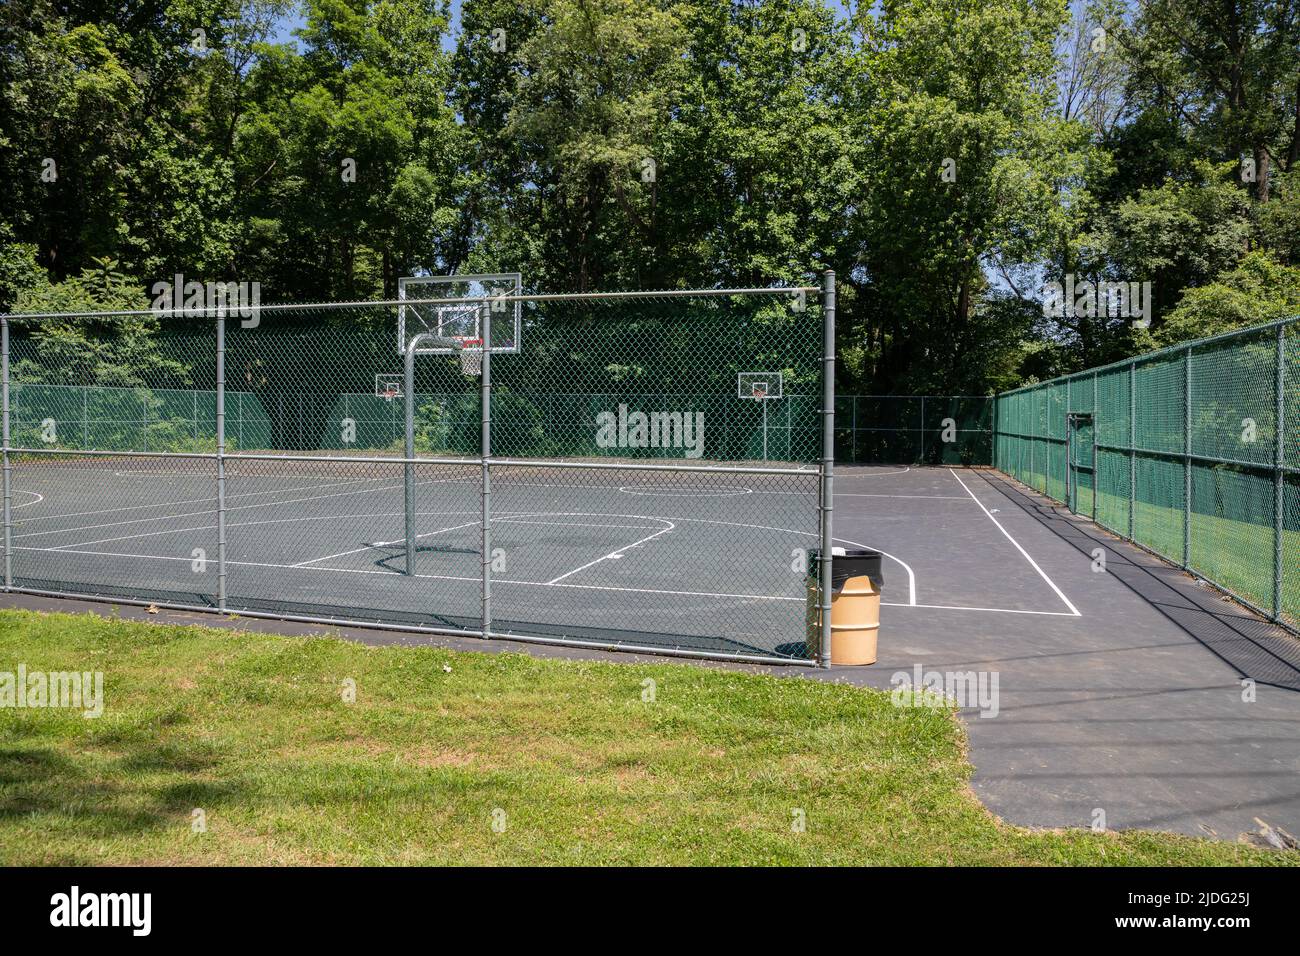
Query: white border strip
column 1074, row 611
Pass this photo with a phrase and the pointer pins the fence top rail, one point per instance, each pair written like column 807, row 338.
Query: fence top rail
column 236, row 310
column 1158, row 353
column 915, row 395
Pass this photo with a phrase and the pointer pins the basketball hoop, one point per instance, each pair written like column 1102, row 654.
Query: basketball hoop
column 759, row 391
column 470, row 354
column 388, row 386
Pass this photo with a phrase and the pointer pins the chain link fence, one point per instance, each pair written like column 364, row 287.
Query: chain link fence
column 1192, row 452
column 603, row 484
column 914, row 429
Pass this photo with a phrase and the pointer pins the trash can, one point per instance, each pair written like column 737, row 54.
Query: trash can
column 857, row 580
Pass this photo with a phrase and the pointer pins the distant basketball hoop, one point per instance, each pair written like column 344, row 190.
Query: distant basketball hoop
column 388, row 386
column 761, row 387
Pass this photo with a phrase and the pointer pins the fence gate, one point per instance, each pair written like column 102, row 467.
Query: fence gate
column 1079, row 463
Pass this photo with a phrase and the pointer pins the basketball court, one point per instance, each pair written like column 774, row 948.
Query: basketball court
column 667, row 560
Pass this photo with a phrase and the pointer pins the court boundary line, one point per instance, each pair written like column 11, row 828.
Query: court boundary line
column 522, row 517
column 1041, row 573
column 582, row 587
column 247, row 507
column 616, row 553
column 195, row 501
column 366, row 486
column 71, row 548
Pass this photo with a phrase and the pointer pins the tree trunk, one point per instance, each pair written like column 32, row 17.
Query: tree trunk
column 1262, row 173
column 1293, row 153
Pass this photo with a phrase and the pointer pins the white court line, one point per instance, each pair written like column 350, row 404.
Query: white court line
column 999, row 610
column 71, row 548
column 382, row 544
column 1074, row 611
column 874, row 474
column 540, row 584
column 848, row 494
column 911, row 576
column 196, row 501
column 614, row 554
column 206, row 512
column 507, row 519
column 516, row 519
column 26, row 504
column 246, row 524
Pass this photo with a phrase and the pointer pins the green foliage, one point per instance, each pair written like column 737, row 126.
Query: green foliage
column 1279, row 219
column 946, row 157
column 79, row 349
column 1182, row 233
column 1256, row 290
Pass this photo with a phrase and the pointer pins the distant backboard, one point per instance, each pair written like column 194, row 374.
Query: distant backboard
column 452, row 318
column 760, row 386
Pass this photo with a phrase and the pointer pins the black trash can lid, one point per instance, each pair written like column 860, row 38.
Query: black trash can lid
column 853, row 563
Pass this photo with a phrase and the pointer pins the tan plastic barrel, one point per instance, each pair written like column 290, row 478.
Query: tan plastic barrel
column 857, row 583
column 855, row 620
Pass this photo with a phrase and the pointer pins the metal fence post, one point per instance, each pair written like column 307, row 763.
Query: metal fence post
column 853, row 455
column 1279, row 465
column 1187, row 457
column 408, row 453
column 828, row 461
column 221, row 459
column 8, row 486
column 1096, row 462
column 485, row 453
column 1033, row 436
column 1132, row 448
column 921, row 457
column 994, row 437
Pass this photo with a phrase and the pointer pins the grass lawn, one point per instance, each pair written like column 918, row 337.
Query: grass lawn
column 567, row 759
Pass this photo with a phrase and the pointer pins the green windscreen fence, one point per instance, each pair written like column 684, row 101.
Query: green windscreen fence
column 1192, row 452
column 914, row 429
column 107, row 418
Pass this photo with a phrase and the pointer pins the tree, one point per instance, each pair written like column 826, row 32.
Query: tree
column 1230, row 71
column 967, row 164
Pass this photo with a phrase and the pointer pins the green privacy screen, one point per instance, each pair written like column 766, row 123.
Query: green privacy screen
column 914, row 429
column 1192, row 452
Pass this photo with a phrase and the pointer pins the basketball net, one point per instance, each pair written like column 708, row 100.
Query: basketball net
column 471, row 356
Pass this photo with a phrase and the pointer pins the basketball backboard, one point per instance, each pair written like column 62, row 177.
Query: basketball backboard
column 759, row 386
column 455, row 318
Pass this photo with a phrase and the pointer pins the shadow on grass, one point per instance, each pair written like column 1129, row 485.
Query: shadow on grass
column 124, row 796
